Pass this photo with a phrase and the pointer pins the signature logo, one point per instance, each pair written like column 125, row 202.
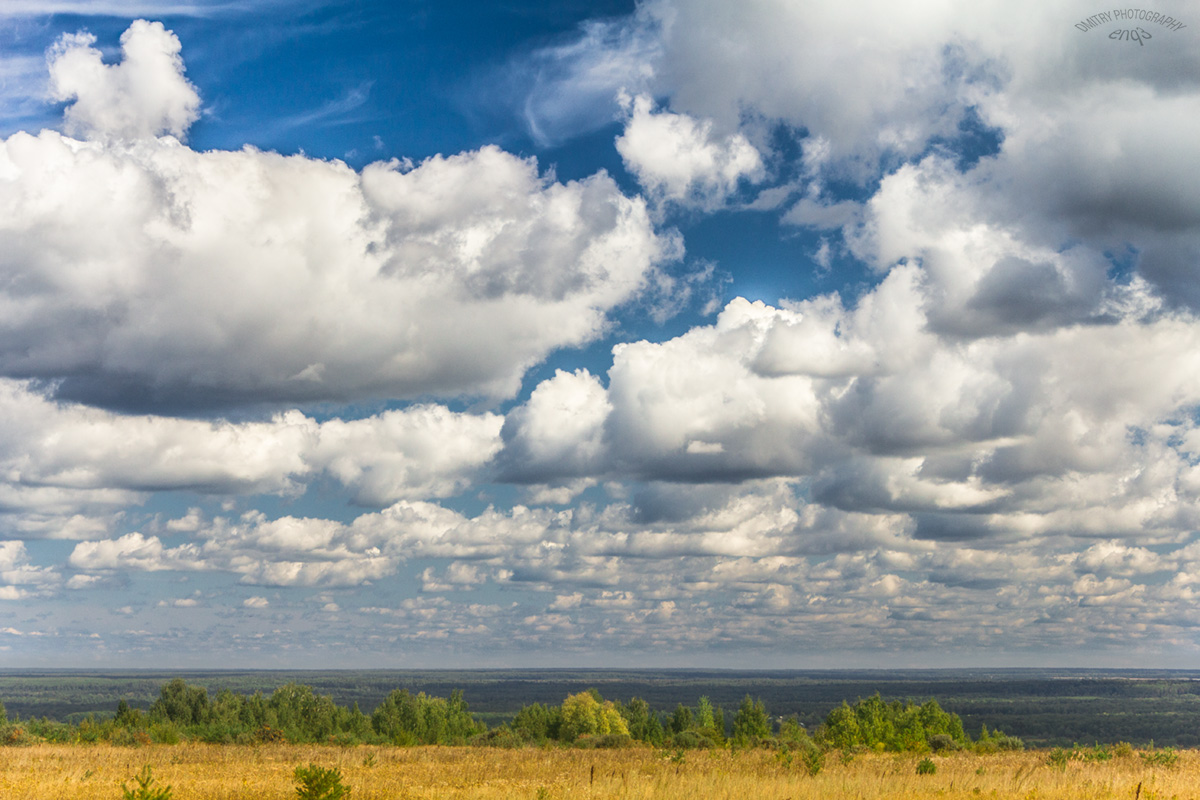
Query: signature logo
column 1137, row 34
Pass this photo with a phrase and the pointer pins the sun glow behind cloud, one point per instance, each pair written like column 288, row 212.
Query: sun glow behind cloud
column 272, row 393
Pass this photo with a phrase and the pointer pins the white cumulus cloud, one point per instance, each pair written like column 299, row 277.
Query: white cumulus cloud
column 678, row 159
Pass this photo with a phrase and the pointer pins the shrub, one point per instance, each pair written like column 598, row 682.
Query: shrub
column 56, row 732
column 89, row 731
column 1166, row 757
column 942, row 741
column 689, row 740
column 15, row 736
column 607, row 741
column 500, row 737
column 144, row 788
column 1006, row 742
column 803, row 753
column 164, row 733
column 1058, row 758
column 268, row 735
column 344, row 739
column 813, row 759
column 319, row 783
column 124, row 737
column 1099, row 753
column 926, row 767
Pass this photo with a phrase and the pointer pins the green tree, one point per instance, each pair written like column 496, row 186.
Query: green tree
column 841, row 728
column 681, row 719
column 181, row 704
column 144, row 788
column 584, row 715
column 704, row 715
column 126, row 717
column 751, row 724
column 408, row 719
column 538, row 722
column 301, row 714
column 894, row 726
column 642, row 722
column 319, row 783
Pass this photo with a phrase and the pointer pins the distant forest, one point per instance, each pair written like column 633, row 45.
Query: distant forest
column 1041, row 708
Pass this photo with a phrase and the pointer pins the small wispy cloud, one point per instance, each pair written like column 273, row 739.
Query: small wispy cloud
column 111, row 8
column 332, row 112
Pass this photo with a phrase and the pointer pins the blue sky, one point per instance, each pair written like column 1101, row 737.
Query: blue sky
column 671, row 333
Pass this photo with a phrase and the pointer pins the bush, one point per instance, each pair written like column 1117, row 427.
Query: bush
column 1005, row 742
column 813, row 759
column 940, row 742
column 268, row 735
column 144, row 788
column 690, row 740
column 805, row 754
column 926, row 767
column 319, row 783
column 55, row 732
column 1058, row 758
column 1166, row 757
column 124, row 737
column 997, row 740
column 16, row 736
column 89, row 731
column 164, row 733
column 1099, row 753
column 500, row 737
column 607, row 741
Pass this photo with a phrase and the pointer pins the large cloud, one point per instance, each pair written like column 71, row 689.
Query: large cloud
column 141, row 273
column 1083, row 428
column 1089, row 139
column 64, row 467
column 144, row 95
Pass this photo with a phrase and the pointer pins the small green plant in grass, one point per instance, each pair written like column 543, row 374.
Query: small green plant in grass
column 144, row 788
column 813, row 759
column 1058, row 758
column 319, row 783
column 926, row 767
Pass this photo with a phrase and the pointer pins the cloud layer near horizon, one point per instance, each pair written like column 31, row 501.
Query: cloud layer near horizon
column 991, row 447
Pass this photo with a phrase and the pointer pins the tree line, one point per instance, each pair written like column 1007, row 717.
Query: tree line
column 294, row 713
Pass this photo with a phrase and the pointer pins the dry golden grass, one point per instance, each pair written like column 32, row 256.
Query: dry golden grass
column 213, row 772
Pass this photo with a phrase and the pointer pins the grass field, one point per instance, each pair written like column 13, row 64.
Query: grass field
column 221, row 772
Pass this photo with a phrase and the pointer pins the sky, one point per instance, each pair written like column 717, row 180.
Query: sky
column 672, row 333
